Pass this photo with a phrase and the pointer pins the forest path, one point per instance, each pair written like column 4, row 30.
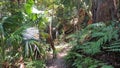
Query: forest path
column 59, row 62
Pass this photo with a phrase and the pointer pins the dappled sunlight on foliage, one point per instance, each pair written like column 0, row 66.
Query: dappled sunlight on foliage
column 95, row 39
column 30, row 30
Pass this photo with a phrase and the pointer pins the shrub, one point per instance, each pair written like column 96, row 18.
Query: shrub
column 91, row 41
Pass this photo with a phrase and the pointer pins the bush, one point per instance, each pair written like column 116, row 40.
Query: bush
column 91, row 41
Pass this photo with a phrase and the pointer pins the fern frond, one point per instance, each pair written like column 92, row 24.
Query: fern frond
column 94, row 36
column 114, row 46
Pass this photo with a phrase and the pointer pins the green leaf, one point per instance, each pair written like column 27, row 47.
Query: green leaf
column 106, row 66
column 28, row 8
column 27, row 49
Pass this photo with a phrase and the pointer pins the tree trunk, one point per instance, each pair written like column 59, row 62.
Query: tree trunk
column 103, row 10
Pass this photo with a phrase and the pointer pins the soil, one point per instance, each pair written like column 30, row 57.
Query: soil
column 59, row 62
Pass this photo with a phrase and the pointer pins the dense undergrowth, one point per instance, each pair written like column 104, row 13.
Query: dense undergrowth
column 13, row 46
column 95, row 46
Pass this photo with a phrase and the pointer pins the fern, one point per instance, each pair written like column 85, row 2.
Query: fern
column 90, row 41
column 76, row 60
column 114, row 46
column 94, row 36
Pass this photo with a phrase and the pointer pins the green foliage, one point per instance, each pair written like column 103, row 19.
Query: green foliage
column 13, row 22
column 93, row 37
column 28, row 6
column 11, row 29
column 113, row 46
column 34, row 50
column 35, row 64
column 105, row 66
column 90, row 41
column 76, row 60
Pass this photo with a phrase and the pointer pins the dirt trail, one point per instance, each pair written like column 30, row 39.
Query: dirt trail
column 59, row 62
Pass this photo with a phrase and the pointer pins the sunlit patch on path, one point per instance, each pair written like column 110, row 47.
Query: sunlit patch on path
column 59, row 62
